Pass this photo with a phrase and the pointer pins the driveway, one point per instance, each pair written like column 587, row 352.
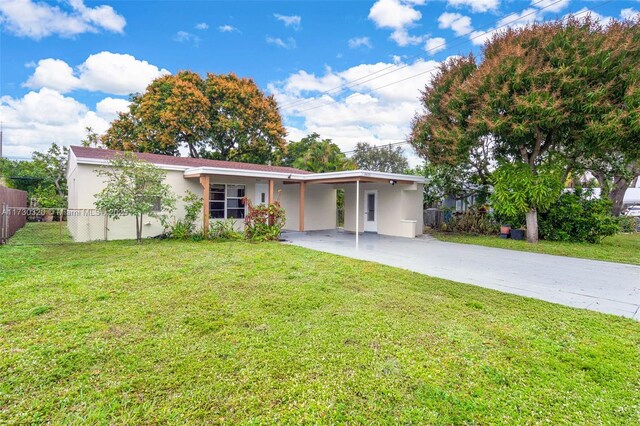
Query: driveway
column 590, row 284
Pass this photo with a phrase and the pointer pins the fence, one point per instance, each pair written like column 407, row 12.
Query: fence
column 9, row 224
column 55, row 226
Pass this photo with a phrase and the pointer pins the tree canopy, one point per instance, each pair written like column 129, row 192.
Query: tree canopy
column 44, row 177
column 561, row 93
column 380, row 158
column 222, row 117
column 314, row 154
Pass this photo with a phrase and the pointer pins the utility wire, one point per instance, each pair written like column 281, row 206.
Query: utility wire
column 332, row 101
column 350, row 84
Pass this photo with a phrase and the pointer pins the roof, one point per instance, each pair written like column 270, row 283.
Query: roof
column 186, row 162
column 195, row 167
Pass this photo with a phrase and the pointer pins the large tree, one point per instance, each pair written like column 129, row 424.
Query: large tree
column 533, row 101
column 223, row 117
column 245, row 124
column 380, row 158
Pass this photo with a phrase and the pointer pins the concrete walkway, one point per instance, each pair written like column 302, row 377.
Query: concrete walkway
column 590, row 284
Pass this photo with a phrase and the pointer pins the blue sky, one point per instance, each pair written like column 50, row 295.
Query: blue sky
column 69, row 64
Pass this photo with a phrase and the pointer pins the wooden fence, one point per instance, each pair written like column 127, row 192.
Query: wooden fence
column 9, row 223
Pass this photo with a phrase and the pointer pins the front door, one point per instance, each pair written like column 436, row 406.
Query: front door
column 371, row 211
column 262, row 194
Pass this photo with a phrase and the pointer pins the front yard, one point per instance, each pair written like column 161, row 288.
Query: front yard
column 179, row 332
column 620, row 248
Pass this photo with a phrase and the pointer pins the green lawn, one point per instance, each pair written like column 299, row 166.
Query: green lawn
column 41, row 233
column 179, row 332
column 621, row 248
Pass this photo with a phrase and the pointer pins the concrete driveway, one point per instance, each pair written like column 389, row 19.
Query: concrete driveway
column 590, row 284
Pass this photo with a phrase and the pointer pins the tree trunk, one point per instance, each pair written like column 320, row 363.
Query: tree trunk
column 616, row 195
column 139, row 228
column 532, row 226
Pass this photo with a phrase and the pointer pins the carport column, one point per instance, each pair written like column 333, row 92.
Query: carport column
column 271, row 191
column 204, row 181
column 357, row 211
column 301, row 207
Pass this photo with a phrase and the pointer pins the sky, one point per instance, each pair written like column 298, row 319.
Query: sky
column 351, row 71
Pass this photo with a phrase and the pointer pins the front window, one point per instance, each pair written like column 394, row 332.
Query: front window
column 226, row 201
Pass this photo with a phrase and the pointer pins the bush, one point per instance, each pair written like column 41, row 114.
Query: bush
column 577, row 218
column 184, row 228
column 471, row 222
column 224, row 230
column 628, row 223
column 263, row 222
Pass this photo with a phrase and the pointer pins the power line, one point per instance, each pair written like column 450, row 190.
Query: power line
column 350, row 84
column 332, row 101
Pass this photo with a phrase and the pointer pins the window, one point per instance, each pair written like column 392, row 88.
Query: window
column 157, row 205
column 225, row 201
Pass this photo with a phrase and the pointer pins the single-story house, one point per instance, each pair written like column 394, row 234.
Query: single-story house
column 386, row 203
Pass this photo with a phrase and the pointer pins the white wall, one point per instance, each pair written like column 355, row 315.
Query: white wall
column 320, row 209
column 399, row 208
column 84, row 183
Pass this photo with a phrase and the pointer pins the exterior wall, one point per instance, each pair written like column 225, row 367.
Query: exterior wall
column 320, row 209
column 84, row 183
column 399, row 208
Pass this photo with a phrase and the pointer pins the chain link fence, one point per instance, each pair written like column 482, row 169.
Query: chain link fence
column 53, row 226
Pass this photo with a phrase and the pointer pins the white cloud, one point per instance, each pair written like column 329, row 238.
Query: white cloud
column 628, row 13
column 184, row 36
column 460, row 24
column 476, row 5
column 360, row 42
column 202, row 26
column 37, row 20
column 290, row 43
column 365, row 112
column 393, row 14
column 227, row 29
column 551, row 6
column 398, row 15
column 293, row 21
column 30, row 124
column 403, row 38
column 435, row 45
column 108, row 108
column 107, row 72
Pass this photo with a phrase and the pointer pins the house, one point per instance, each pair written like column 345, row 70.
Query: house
column 387, row 203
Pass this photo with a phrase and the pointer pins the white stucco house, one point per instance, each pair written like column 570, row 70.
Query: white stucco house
column 384, row 203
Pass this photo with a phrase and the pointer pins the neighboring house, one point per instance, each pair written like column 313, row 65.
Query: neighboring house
column 387, row 203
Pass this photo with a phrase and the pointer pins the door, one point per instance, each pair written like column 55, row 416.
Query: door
column 262, row 194
column 371, row 211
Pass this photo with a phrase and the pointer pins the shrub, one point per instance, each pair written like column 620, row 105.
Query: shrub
column 263, row 222
column 224, row 230
column 184, row 228
column 577, row 217
column 471, row 222
column 628, row 223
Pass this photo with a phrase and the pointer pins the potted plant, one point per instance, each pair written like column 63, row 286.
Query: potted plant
column 517, row 234
column 504, row 230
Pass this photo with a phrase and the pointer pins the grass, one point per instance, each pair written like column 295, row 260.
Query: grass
column 181, row 332
column 620, row 248
column 41, row 233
